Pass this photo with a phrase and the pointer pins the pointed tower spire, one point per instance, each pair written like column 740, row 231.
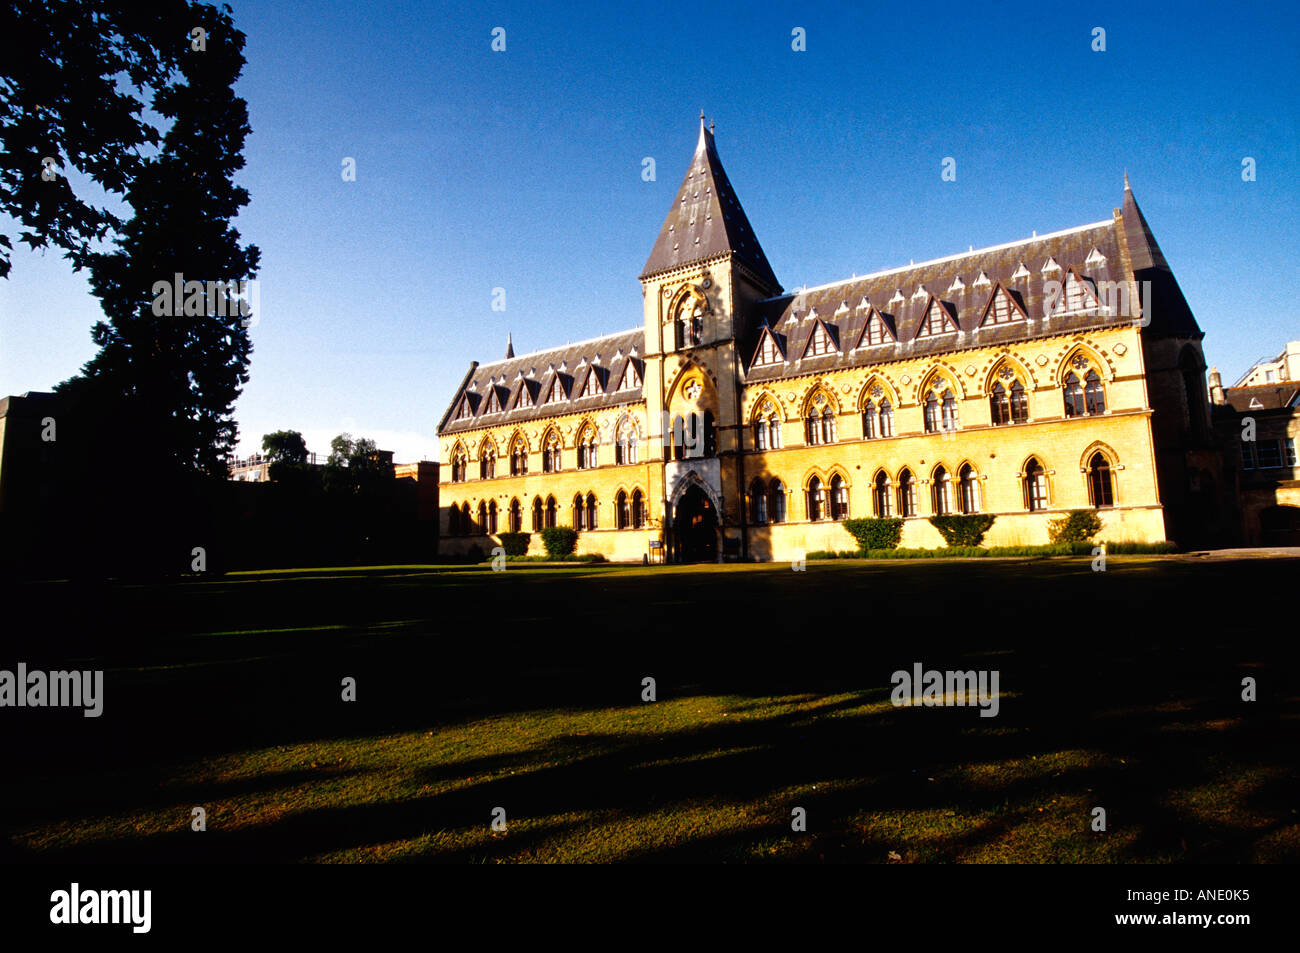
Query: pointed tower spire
column 1141, row 243
column 510, row 346
column 1170, row 313
column 706, row 220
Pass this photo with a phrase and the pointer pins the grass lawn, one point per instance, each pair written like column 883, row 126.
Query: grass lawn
column 522, row 690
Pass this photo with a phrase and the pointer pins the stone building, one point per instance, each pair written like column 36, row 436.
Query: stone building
column 741, row 420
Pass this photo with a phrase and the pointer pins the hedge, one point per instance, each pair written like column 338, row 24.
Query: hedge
column 1078, row 526
column 963, row 530
column 559, row 541
column 875, row 533
column 515, row 544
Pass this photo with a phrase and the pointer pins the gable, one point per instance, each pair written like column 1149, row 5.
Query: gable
column 769, row 350
column 820, row 341
column 1002, row 308
column 631, row 379
column 937, row 320
column 876, row 330
column 592, row 386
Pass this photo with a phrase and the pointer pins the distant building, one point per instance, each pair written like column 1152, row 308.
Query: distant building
column 1284, row 367
column 1260, row 426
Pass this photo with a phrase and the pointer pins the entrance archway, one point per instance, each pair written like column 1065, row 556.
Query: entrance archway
column 695, row 528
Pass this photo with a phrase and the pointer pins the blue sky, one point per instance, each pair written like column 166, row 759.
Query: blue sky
column 522, row 170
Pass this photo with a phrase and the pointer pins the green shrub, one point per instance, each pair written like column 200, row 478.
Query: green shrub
column 875, row 533
column 963, row 531
column 515, row 544
column 1078, row 526
column 559, row 541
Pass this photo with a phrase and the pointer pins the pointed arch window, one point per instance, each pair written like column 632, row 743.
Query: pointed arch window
column 537, row 514
column 690, row 323
column 870, row 422
column 453, row 520
column 587, row 452
column 551, row 453
column 882, row 499
column 459, row 465
column 1094, row 395
column 638, row 510
column 516, row 520
column 776, row 502
column 839, row 498
column 816, row 500
column 466, row 520
column 487, row 462
column 492, row 516
column 906, row 493
column 482, row 517
column 1035, row 485
column 591, row 511
column 758, row 502
column 518, row 458
column 940, row 409
column 579, row 512
column 551, row 511
column 828, row 425
column 970, row 490
column 886, row 418
column 1101, row 487
column 767, row 429
column 626, row 439
column 1008, row 404
column 941, row 492
column 622, row 512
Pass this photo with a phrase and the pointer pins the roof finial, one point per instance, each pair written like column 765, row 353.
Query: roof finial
column 710, row 127
column 1126, row 188
column 510, row 346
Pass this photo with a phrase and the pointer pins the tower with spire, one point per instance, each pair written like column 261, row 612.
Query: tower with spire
column 700, row 286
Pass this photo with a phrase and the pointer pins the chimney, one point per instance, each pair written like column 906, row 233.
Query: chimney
column 1216, row 388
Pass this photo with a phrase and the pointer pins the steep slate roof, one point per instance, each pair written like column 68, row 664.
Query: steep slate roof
column 789, row 315
column 539, row 369
column 1265, row 396
column 706, row 220
column 1170, row 313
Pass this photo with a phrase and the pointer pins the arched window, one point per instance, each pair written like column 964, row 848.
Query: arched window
column 932, row 419
column 622, row 517
column 1101, row 490
column 839, row 498
column 492, row 517
column 453, row 520
column 776, row 502
column 482, row 517
column 941, row 492
column 828, row 425
column 518, row 458
column 587, row 457
column 1035, row 485
column 869, row 421
column 677, row 439
column 886, row 419
column 1094, row 395
column 551, row 453
column 690, row 323
column 459, row 462
column 906, row 493
column 1074, row 406
column 551, row 509
column 579, row 513
column 758, row 502
column 516, row 517
column 949, row 411
column 638, row 509
column 1019, row 403
column 626, row 439
column 537, row 514
column 774, row 432
column 882, row 498
column 970, row 490
column 487, row 462
column 999, row 405
column 816, row 500
column 466, row 521
column 591, row 511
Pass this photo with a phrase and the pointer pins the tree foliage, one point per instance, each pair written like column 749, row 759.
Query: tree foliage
column 285, row 446
column 75, row 77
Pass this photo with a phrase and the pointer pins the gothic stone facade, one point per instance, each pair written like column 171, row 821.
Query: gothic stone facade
column 742, row 421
